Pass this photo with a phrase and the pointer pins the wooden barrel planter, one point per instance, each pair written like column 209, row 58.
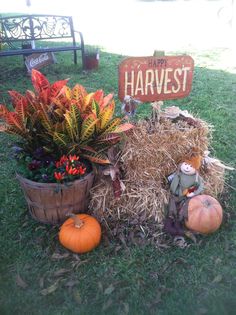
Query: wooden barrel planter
column 52, row 202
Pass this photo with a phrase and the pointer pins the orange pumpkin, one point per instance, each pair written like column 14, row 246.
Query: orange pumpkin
column 204, row 214
column 81, row 233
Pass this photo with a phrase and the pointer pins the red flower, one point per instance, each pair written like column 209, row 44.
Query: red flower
column 72, row 171
column 59, row 176
column 82, row 170
column 58, row 164
column 73, row 158
column 69, row 166
column 62, row 161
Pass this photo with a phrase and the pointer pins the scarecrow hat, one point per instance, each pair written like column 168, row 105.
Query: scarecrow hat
column 194, row 161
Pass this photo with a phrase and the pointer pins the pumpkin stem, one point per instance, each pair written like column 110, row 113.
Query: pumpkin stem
column 78, row 222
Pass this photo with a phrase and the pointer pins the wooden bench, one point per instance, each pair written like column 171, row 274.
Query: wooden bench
column 18, row 31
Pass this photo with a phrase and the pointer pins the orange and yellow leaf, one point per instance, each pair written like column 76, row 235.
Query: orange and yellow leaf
column 106, row 115
column 56, row 87
column 98, row 97
column 3, row 111
column 39, row 81
column 96, row 158
column 17, row 98
column 112, row 125
column 123, row 128
column 107, row 99
column 88, row 127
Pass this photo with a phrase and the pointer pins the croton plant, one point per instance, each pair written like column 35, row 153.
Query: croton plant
column 58, row 123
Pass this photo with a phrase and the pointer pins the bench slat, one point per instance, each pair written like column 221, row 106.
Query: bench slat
column 5, row 53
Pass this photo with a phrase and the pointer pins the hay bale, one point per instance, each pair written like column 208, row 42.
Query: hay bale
column 151, row 153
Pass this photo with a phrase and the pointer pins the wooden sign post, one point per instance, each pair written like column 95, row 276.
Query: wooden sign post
column 154, row 78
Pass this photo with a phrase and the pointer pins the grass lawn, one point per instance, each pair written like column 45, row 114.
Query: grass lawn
column 38, row 276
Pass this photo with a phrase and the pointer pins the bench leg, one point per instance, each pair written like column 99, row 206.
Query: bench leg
column 75, row 57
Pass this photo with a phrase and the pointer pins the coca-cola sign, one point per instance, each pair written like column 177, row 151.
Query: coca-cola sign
column 155, row 78
column 39, row 60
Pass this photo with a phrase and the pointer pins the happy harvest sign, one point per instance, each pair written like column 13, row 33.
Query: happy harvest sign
column 155, row 78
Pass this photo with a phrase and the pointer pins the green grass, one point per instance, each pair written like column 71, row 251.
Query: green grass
column 38, row 276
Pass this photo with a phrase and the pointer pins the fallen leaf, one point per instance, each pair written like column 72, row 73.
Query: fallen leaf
column 20, row 282
column 217, row 279
column 107, row 304
column 77, row 263
column 109, row 289
column 163, row 245
column 180, row 242
column 52, row 288
column 180, row 260
column 25, row 224
column 40, row 227
column 218, row 261
column 57, row 256
column 171, row 112
column 126, row 308
column 77, row 257
column 191, row 236
column 122, row 239
column 71, row 283
column 61, row 272
column 154, row 275
column 118, row 248
column 77, row 296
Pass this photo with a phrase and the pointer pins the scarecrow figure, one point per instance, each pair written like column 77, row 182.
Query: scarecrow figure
column 129, row 105
column 186, row 183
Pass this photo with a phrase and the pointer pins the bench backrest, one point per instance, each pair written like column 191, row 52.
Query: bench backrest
column 35, row 27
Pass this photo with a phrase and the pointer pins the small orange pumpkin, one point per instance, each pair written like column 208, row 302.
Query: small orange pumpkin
column 81, row 233
column 204, row 214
